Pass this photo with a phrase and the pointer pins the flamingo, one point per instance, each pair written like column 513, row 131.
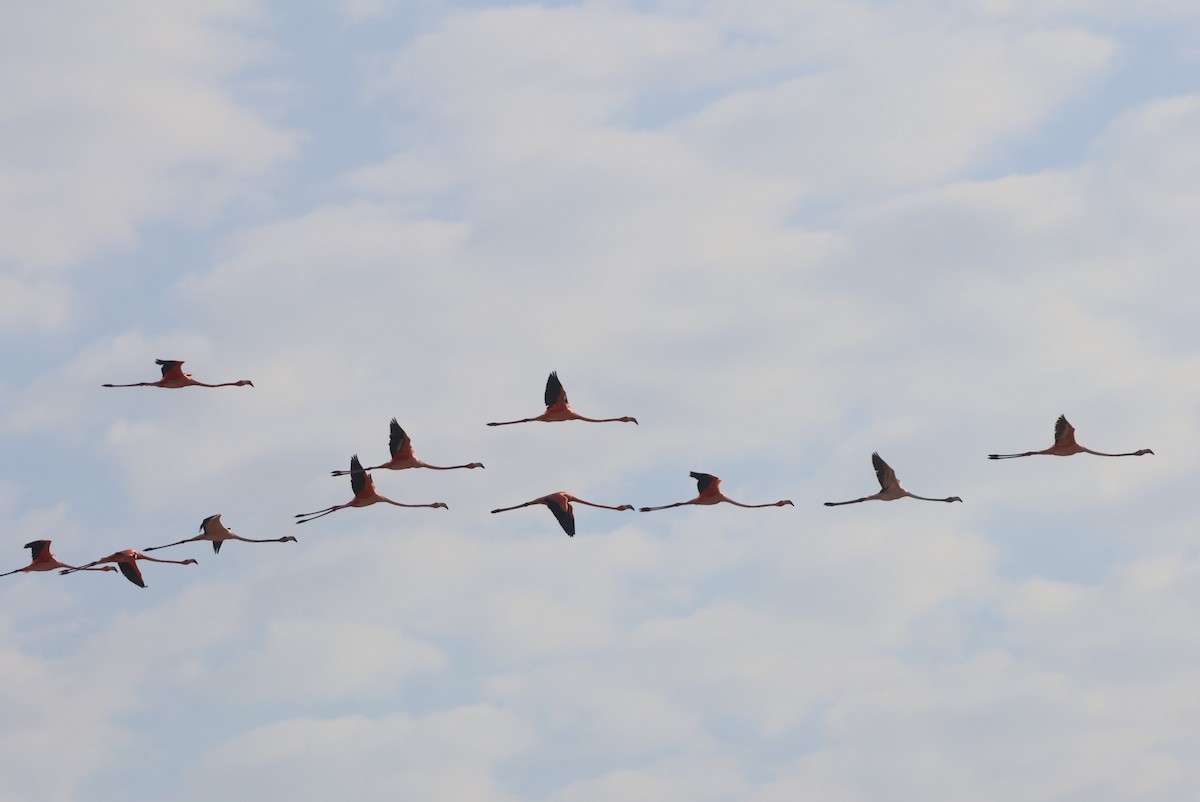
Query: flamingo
column 1065, row 445
column 364, row 495
column 213, row 530
column 174, row 377
column 402, row 456
column 127, row 561
column 890, row 486
column 42, row 559
column 560, row 504
column 557, row 408
column 709, row 488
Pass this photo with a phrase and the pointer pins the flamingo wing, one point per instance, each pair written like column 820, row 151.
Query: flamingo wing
column 358, row 477
column 554, row 390
column 131, row 571
column 399, row 440
column 36, row 547
column 211, row 521
column 883, row 471
column 169, row 365
column 564, row 514
column 217, row 545
column 1063, row 431
column 703, row 480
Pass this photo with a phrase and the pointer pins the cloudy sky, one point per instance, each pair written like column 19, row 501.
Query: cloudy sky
column 782, row 236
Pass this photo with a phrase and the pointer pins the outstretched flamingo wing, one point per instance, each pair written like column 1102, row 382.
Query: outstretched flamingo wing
column 564, row 514
column 399, row 440
column 211, row 521
column 36, row 547
column 554, row 390
column 1063, row 431
column 703, row 480
column 358, row 477
column 132, row 572
column 883, row 471
column 169, row 366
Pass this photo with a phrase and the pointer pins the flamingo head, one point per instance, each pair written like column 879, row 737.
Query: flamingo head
column 440, row 504
column 245, row 381
column 190, row 561
column 1142, row 451
column 784, row 503
column 626, row 507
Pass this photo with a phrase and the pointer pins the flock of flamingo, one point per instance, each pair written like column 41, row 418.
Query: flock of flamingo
column 560, row 504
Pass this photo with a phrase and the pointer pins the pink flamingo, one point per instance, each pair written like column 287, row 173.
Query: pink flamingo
column 127, row 561
column 213, row 530
column 1065, row 445
column 709, row 488
column 890, row 487
column 173, row 377
column 42, row 559
column 402, row 456
column 560, row 504
column 557, row 408
column 364, row 495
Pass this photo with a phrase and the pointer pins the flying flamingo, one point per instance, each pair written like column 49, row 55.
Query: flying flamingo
column 127, row 561
column 174, row 377
column 41, row 559
column 364, row 495
column 560, row 504
column 890, row 486
column 709, row 488
column 1065, row 445
column 213, row 530
column 402, row 456
column 557, row 408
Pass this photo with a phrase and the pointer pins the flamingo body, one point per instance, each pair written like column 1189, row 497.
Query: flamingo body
column 1065, row 445
column 557, row 408
column 211, row 529
column 889, row 487
column 708, row 491
column 364, row 495
column 126, row 562
column 403, row 458
column 560, row 504
column 173, row 378
column 42, row 559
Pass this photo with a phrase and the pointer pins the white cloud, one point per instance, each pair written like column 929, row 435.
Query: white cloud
column 122, row 114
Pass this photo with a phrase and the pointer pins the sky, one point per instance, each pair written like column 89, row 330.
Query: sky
column 783, row 235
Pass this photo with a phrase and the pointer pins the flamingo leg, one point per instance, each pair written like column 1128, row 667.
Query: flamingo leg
column 517, row 507
column 139, row 384
column 1014, row 456
column 511, row 422
column 176, row 543
column 312, row 516
column 80, row 568
column 855, row 501
column 785, row 502
column 666, row 506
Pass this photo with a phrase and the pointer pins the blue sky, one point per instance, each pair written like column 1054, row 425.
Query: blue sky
column 782, row 237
